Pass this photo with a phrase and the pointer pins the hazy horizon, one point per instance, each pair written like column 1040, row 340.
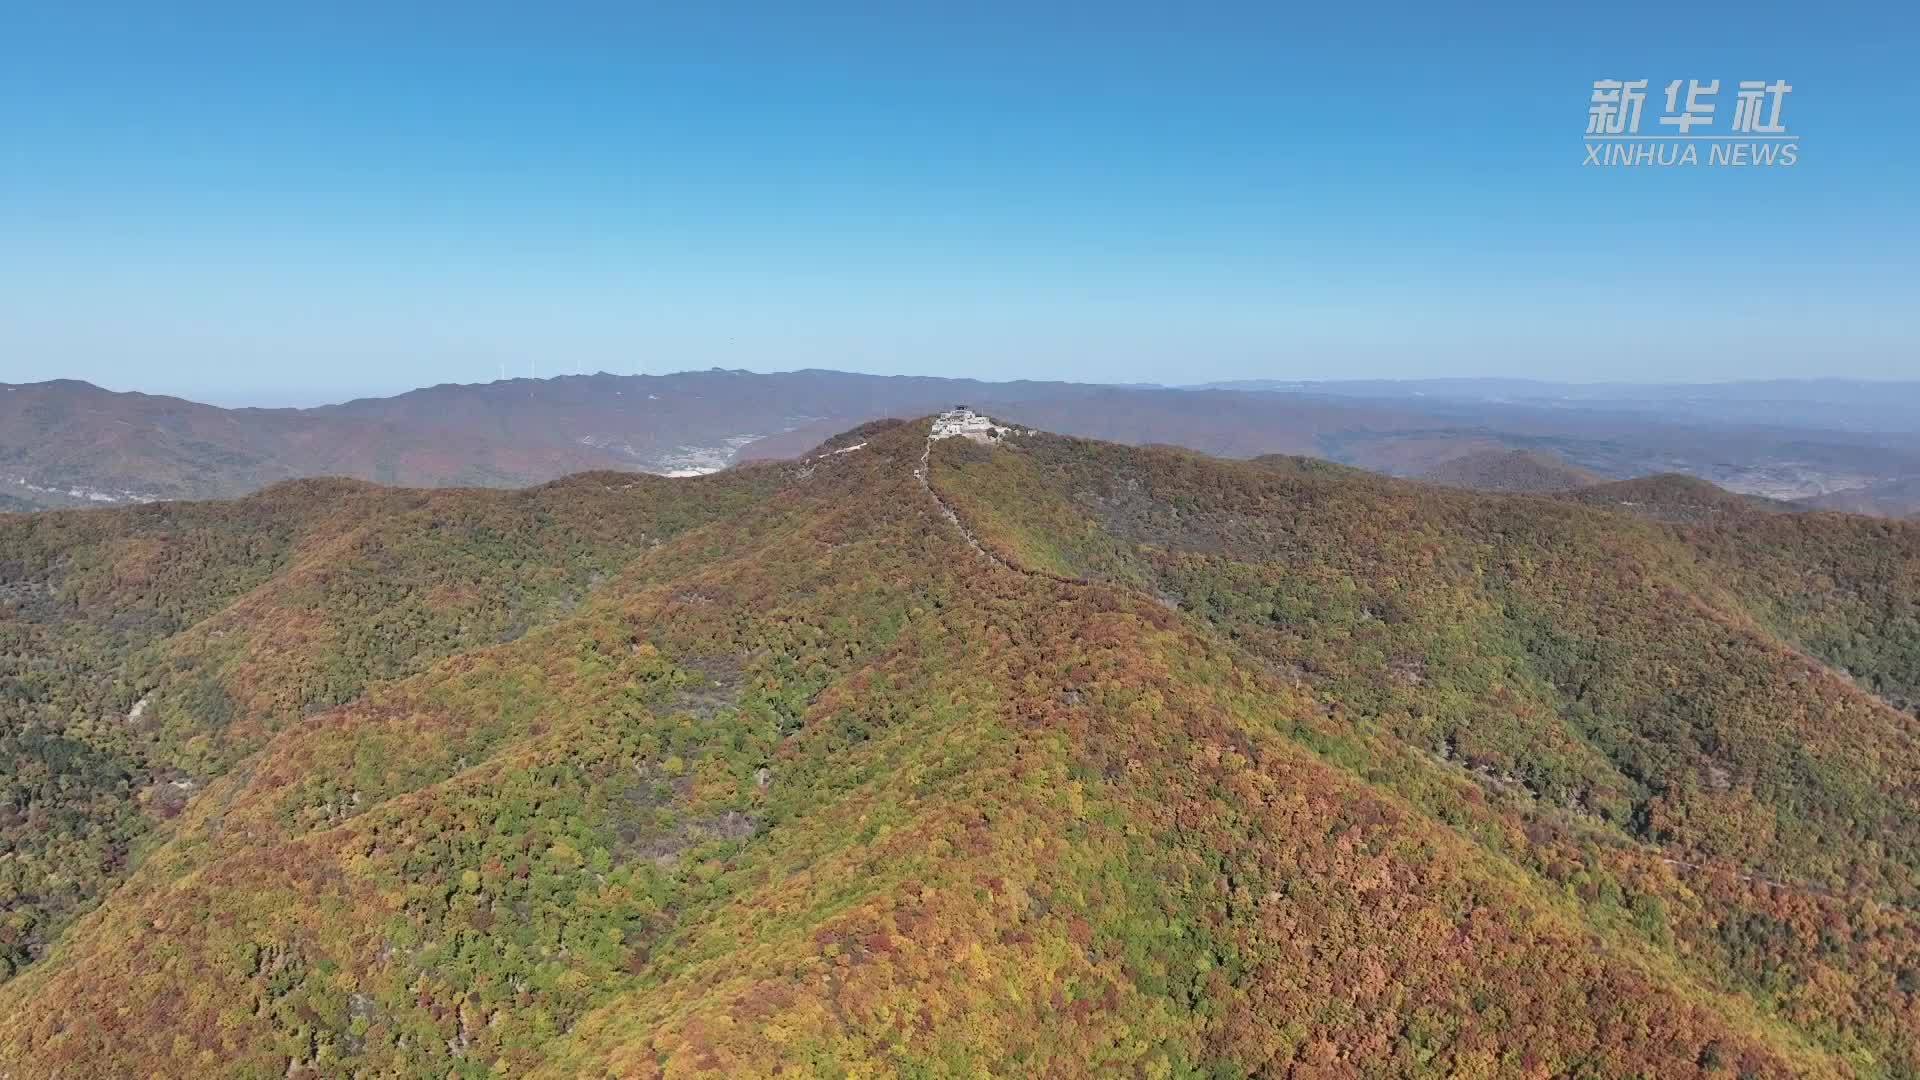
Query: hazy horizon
column 296, row 398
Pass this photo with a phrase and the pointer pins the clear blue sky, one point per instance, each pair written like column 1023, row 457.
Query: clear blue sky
column 258, row 203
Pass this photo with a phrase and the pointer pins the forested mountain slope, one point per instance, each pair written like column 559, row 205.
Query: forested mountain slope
column 1048, row 757
column 1515, row 471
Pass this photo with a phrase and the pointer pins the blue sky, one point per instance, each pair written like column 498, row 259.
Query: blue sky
column 244, row 203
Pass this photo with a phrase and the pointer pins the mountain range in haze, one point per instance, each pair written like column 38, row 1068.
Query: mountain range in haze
column 1837, row 444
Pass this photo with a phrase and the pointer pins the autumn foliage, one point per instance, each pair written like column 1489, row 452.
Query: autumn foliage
column 1223, row 770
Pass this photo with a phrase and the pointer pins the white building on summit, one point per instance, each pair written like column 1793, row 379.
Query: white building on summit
column 964, row 423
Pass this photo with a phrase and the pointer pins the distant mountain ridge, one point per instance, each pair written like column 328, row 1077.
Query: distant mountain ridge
column 68, row 443
column 1838, row 404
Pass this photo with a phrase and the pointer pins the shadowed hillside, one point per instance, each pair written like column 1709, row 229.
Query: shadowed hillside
column 1674, row 498
column 1515, row 471
column 1021, row 756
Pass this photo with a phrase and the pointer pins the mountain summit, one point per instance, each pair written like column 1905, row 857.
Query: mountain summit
column 1018, row 755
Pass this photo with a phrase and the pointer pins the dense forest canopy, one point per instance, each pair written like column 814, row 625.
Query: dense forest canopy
column 1023, row 756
